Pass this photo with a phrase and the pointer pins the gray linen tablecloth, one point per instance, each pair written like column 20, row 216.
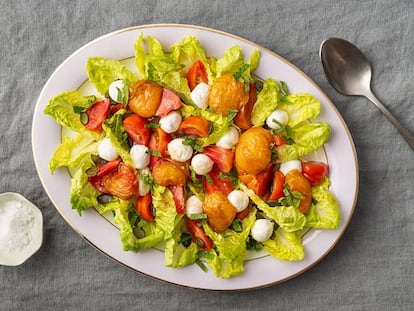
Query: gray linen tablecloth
column 371, row 268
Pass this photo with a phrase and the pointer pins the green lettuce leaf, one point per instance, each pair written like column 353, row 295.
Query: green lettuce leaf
column 188, row 51
column 140, row 54
column 267, row 102
column 115, row 131
column 219, row 123
column 153, row 235
column 307, row 139
column 300, row 108
column 103, row 71
column 228, row 258
column 287, row 217
column 167, row 218
column 82, row 194
column 61, row 108
column 324, row 214
column 72, row 151
column 160, row 67
column 254, row 60
column 285, row 245
column 176, row 254
column 230, row 62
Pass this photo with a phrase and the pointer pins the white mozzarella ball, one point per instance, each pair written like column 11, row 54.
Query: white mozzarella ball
column 106, row 150
column 171, row 122
column 239, row 200
column 229, row 139
column 140, row 156
column 199, row 95
column 262, row 230
column 143, row 187
column 202, row 164
column 285, row 167
column 178, row 151
column 193, row 205
column 277, row 118
column 116, row 91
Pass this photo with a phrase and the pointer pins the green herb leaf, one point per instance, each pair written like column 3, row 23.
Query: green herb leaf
column 133, row 219
column 204, row 254
column 231, row 115
column 284, row 88
column 284, row 100
column 152, row 125
column 125, row 92
column 154, row 153
column 209, row 180
column 192, row 142
column 291, row 198
column 197, row 216
column 246, row 82
column 185, row 239
column 119, row 95
column 236, row 225
column 252, row 244
column 78, row 109
column 239, row 73
column 201, row 265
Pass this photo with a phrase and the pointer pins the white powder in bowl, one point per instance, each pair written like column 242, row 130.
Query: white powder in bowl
column 16, row 224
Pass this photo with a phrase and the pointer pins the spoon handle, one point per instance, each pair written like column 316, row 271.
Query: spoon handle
column 409, row 137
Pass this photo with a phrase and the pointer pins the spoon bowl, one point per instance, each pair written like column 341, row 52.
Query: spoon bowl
column 349, row 72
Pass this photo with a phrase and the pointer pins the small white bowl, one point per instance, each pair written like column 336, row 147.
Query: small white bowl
column 16, row 258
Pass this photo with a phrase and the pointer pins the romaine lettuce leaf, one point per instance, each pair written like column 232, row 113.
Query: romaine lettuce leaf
column 324, row 214
column 307, row 138
column 167, row 218
column 153, row 235
column 61, row 108
column 285, row 245
column 82, row 194
column 267, row 102
column 160, row 67
column 230, row 62
column 287, row 217
column 229, row 258
column 176, row 254
column 188, row 51
column 72, row 150
column 115, row 131
column 103, row 71
column 300, row 108
column 254, row 60
column 140, row 54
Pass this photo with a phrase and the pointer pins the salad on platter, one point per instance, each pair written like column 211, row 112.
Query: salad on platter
column 194, row 154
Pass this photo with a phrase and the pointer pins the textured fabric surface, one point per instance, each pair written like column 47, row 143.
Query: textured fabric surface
column 371, row 268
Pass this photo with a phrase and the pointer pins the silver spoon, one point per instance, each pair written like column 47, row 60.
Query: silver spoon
column 349, row 72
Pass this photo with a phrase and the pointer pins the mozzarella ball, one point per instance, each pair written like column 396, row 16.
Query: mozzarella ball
column 140, row 156
column 262, row 230
column 239, row 200
column 143, row 187
column 178, row 151
column 171, row 122
column 277, row 119
column 202, row 164
column 229, row 139
column 199, row 95
column 116, row 91
column 285, row 167
column 193, row 205
column 106, row 150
